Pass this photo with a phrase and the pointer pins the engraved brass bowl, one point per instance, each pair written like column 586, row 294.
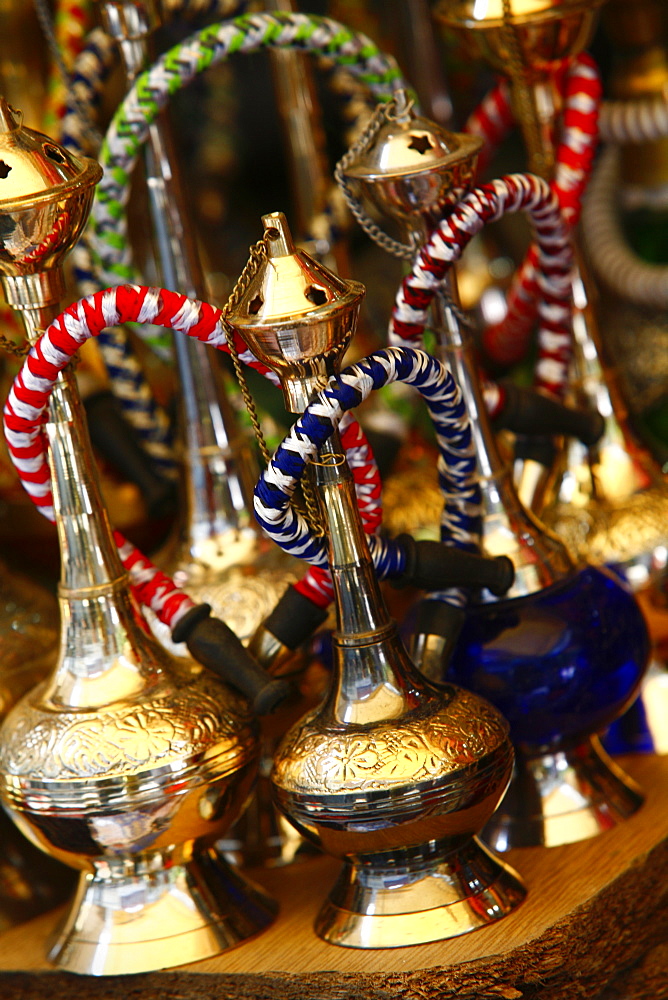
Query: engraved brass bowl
column 133, row 795
column 400, row 801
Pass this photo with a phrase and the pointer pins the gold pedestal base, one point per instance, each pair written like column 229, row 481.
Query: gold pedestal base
column 123, row 924
column 561, row 798
column 396, row 901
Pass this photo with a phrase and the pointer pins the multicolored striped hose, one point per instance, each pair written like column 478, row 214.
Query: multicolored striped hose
column 28, row 399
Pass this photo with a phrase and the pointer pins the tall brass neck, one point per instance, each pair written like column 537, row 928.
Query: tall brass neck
column 373, row 677
column 217, row 466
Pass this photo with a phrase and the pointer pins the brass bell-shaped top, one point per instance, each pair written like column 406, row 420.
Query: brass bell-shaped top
column 296, row 315
column 45, row 198
column 546, row 30
column 413, row 167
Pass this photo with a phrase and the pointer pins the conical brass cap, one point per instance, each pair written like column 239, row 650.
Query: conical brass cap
column 296, row 315
column 413, row 167
column 546, row 30
column 45, row 199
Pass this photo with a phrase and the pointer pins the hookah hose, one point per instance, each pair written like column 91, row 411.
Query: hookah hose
column 613, row 261
column 505, row 343
column 150, row 92
column 516, row 192
column 554, row 259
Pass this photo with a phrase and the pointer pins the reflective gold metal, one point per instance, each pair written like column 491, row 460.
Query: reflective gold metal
column 390, row 774
column 29, row 882
column 123, row 764
column 298, row 316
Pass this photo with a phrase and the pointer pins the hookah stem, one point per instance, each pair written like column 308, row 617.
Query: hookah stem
column 304, row 136
column 150, row 424
column 540, row 149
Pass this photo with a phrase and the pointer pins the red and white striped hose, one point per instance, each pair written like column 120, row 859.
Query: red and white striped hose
column 513, row 193
column 28, row 398
column 579, row 84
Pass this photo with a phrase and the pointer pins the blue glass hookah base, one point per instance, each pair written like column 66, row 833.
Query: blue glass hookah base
column 560, row 664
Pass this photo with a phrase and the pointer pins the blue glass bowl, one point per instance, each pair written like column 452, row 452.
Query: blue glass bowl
column 561, row 664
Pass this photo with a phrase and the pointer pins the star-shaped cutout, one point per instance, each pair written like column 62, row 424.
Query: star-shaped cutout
column 420, row 143
column 4, row 169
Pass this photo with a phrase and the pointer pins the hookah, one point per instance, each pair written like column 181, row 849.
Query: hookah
column 124, row 763
column 390, row 773
column 462, row 747
column 563, row 653
column 417, row 173
column 217, row 552
column 610, row 501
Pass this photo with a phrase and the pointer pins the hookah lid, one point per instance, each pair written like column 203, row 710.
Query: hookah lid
column 414, row 165
column 31, row 163
column 45, row 197
column 296, row 315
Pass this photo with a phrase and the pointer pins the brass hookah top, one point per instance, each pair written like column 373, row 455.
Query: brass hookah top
column 414, row 168
column 296, row 315
column 45, row 194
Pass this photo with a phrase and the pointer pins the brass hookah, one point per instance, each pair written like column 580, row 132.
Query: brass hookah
column 372, row 775
column 125, row 764
column 217, row 552
column 608, row 502
column 414, row 172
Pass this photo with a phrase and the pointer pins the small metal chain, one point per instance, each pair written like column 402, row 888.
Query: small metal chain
column 309, row 509
column 539, row 162
column 382, row 114
column 18, row 350
column 257, row 254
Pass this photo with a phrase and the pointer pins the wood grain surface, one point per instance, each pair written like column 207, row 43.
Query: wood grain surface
column 595, row 918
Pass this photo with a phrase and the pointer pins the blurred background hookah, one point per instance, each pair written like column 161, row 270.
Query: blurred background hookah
column 389, row 773
column 417, row 175
column 124, row 763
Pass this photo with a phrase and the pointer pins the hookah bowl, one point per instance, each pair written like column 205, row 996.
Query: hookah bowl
column 390, row 773
column 564, row 652
column 123, row 764
column 547, row 29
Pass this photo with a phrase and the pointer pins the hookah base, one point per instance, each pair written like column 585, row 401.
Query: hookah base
column 130, row 923
column 395, row 900
column 562, row 797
